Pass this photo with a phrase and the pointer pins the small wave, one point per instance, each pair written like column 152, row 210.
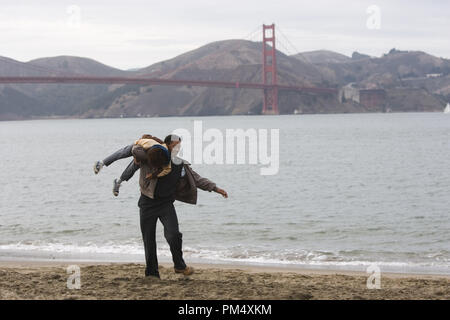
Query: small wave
column 78, row 249
column 67, row 231
column 242, row 224
column 133, row 250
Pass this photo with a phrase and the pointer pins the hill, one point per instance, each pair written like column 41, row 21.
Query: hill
column 422, row 77
column 322, row 56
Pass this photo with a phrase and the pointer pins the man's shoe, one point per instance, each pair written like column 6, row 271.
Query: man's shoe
column 152, row 278
column 98, row 166
column 116, row 186
column 186, row 271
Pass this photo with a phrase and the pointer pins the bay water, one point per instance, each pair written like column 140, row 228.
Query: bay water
column 352, row 190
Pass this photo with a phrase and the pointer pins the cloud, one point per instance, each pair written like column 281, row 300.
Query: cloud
column 137, row 33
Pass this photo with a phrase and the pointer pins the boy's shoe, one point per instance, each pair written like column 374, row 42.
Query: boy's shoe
column 116, row 186
column 186, row 271
column 98, row 166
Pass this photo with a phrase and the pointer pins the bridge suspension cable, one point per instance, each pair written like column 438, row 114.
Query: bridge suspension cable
column 253, row 34
column 285, row 48
column 288, row 41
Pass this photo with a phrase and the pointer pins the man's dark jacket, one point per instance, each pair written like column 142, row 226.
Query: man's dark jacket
column 186, row 186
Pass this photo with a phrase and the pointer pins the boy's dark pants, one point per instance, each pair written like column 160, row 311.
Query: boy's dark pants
column 125, row 152
column 149, row 215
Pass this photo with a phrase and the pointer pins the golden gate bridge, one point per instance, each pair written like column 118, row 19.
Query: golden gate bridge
column 269, row 86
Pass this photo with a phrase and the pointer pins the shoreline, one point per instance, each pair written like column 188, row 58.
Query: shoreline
column 105, row 280
column 252, row 268
column 204, row 116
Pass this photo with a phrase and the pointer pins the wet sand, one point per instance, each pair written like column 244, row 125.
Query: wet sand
column 48, row 280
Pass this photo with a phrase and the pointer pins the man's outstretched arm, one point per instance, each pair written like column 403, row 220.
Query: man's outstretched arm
column 206, row 184
column 221, row 191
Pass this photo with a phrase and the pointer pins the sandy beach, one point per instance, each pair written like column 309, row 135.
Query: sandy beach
column 48, row 280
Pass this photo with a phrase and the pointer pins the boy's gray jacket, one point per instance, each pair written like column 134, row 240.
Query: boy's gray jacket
column 186, row 187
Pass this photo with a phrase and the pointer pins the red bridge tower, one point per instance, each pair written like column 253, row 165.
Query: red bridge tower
column 270, row 104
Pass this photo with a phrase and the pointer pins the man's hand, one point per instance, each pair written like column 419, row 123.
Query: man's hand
column 221, row 191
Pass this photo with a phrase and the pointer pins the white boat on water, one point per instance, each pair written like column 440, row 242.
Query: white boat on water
column 447, row 109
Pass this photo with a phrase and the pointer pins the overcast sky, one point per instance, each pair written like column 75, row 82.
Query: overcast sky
column 137, row 33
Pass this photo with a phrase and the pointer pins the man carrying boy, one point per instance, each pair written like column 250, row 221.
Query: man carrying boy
column 158, row 193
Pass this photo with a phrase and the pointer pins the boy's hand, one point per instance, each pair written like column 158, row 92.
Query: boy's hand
column 153, row 174
column 149, row 176
column 221, row 191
